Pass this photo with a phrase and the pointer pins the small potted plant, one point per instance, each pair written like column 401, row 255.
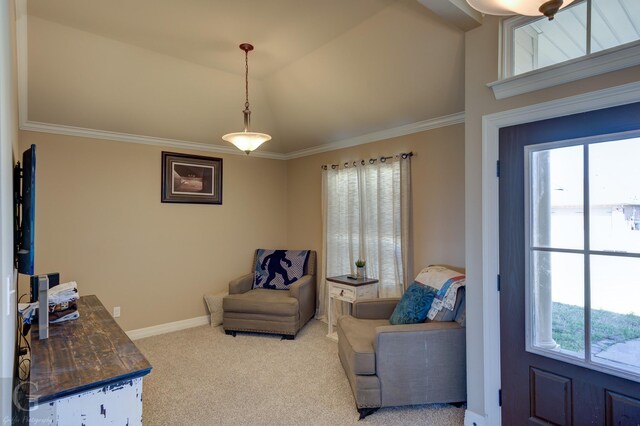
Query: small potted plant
column 360, row 264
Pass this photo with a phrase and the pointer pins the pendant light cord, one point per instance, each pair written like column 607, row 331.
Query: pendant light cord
column 246, row 79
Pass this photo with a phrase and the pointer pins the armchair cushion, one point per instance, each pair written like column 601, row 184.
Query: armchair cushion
column 278, row 269
column 356, row 339
column 414, row 305
column 262, row 301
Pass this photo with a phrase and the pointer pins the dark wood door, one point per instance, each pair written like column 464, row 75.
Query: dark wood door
column 536, row 388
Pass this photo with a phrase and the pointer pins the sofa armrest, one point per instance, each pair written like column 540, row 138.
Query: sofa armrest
column 374, row 308
column 241, row 285
column 421, row 363
column 305, row 291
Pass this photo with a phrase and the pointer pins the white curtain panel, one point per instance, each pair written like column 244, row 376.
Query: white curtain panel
column 367, row 215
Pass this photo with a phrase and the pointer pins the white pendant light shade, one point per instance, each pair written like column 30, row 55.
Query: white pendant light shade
column 246, row 141
column 519, row 7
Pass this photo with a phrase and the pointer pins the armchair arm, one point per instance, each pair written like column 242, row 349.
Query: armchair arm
column 421, row 363
column 374, row 308
column 241, row 285
column 305, row 291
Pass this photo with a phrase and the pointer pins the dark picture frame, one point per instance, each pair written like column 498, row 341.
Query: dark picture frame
column 193, row 179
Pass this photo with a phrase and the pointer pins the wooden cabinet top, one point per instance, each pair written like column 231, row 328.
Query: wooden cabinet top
column 356, row 282
column 83, row 354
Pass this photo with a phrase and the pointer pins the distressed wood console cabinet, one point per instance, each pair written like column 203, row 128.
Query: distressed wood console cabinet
column 88, row 372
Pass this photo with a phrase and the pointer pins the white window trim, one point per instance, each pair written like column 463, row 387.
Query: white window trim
column 613, row 59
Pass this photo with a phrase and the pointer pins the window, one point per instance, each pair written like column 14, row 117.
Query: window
column 583, row 245
column 366, row 217
column 581, row 29
column 588, row 38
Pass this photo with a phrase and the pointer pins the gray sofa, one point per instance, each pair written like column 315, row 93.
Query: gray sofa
column 260, row 310
column 391, row 365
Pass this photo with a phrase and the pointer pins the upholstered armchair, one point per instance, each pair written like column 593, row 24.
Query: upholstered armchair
column 264, row 310
column 391, row 365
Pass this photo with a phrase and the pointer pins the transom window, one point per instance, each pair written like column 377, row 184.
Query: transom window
column 584, row 28
column 583, row 252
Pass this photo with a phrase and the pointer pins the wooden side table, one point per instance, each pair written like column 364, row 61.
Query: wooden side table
column 348, row 290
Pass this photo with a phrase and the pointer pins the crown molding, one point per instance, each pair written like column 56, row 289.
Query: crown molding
column 60, row 129
column 421, row 126
column 407, row 129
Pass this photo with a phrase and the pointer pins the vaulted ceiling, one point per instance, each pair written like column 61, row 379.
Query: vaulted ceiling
column 322, row 71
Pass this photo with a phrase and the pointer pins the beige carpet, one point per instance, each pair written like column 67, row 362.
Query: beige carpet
column 201, row 376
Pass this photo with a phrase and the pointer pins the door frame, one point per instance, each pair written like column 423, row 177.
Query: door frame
column 491, row 124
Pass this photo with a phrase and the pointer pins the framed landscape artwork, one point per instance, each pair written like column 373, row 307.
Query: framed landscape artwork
column 191, row 179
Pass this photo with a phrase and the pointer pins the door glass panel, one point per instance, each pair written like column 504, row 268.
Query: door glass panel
column 563, row 290
column 557, row 293
column 557, row 208
column 615, row 311
column 614, row 191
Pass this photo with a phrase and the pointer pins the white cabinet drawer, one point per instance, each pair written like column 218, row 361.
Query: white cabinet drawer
column 347, row 294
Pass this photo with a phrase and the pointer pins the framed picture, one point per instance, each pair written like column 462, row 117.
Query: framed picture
column 191, row 179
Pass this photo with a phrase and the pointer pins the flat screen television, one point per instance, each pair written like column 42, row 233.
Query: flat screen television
column 24, row 196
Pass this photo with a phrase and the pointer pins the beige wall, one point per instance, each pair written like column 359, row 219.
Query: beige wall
column 481, row 68
column 438, row 193
column 100, row 222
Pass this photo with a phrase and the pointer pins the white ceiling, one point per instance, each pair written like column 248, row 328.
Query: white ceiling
column 322, row 71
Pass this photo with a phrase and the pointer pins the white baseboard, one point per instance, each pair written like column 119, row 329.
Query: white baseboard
column 473, row 419
column 169, row 327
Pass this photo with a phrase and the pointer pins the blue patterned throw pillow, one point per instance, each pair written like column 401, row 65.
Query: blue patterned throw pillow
column 278, row 269
column 414, row 305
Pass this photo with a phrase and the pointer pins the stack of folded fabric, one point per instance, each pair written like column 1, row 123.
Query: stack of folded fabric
column 445, row 283
column 63, row 302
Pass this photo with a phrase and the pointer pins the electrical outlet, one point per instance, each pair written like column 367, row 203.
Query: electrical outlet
column 116, row 311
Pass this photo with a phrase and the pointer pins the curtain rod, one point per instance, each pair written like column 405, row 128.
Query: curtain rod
column 403, row 155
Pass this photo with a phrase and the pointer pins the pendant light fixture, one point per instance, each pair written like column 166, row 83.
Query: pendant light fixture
column 519, row 7
column 246, row 141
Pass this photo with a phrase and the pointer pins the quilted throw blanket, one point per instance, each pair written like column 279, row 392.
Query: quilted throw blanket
column 446, row 283
column 278, row 269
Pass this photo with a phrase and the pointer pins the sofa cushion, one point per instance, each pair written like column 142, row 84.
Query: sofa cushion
column 278, row 269
column 262, row 301
column 356, row 342
column 414, row 305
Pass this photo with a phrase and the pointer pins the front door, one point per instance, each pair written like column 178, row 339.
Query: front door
column 570, row 269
